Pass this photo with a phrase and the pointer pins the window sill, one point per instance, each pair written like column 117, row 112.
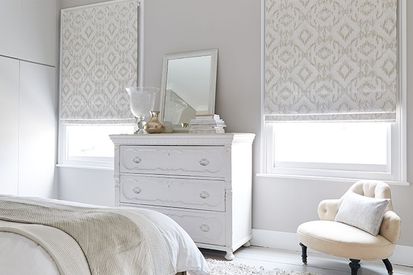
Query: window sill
column 84, row 166
column 309, row 179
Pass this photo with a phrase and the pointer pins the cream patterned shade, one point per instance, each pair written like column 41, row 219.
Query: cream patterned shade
column 331, row 60
column 99, row 59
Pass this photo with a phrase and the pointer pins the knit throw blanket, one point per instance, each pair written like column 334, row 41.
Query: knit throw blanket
column 108, row 240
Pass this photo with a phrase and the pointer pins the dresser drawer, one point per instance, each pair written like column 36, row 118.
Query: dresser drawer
column 201, row 161
column 202, row 226
column 175, row 192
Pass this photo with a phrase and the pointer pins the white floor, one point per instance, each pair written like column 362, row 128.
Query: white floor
column 317, row 264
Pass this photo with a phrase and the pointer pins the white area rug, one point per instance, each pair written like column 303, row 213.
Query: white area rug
column 231, row 268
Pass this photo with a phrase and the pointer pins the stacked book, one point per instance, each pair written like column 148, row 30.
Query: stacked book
column 207, row 124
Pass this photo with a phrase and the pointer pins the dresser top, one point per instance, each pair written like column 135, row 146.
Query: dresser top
column 183, row 139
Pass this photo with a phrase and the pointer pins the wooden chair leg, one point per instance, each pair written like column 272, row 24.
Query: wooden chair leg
column 388, row 265
column 354, row 265
column 303, row 253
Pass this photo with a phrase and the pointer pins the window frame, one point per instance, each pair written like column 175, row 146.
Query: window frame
column 396, row 173
column 82, row 162
column 356, row 171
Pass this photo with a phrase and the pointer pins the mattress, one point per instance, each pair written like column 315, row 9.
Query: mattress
column 20, row 255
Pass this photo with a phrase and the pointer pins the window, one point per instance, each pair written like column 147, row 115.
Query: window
column 334, row 89
column 93, row 76
column 332, row 149
column 89, row 145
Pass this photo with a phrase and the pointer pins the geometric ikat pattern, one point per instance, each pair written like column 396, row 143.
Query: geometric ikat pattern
column 99, row 47
column 331, row 59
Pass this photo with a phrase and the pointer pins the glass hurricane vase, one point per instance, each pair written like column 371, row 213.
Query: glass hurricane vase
column 142, row 101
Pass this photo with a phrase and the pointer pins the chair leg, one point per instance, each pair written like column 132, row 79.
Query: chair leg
column 303, row 253
column 388, row 265
column 354, row 265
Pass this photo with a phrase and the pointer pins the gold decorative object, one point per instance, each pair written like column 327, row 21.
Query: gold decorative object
column 154, row 126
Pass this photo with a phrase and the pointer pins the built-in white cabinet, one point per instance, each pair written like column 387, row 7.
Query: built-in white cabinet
column 28, row 128
column 37, row 130
column 28, row 30
column 203, row 182
column 28, row 97
column 9, row 102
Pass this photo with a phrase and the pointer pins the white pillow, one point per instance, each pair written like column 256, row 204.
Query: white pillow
column 362, row 212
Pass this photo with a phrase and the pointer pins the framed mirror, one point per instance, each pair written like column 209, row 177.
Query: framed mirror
column 188, row 87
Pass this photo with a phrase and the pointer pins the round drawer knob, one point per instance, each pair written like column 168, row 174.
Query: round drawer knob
column 204, row 162
column 137, row 160
column 204, row 195
column 204, row 228
column 137, row 190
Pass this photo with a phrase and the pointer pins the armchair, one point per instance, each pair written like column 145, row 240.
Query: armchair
column 338, row 239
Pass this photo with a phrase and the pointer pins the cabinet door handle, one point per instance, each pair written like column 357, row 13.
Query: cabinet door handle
column 204, row 228
column 137, row 190
column 204, row 162
column 204, row 195
column 137, row 160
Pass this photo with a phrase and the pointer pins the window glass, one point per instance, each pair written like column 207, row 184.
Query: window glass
column 92, row 141
column 331, row 142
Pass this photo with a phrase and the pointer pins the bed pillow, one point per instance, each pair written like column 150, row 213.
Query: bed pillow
column 362, row 212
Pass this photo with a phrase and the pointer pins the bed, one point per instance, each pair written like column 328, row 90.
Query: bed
column 51, row 237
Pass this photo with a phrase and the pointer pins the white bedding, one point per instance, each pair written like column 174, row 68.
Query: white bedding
column 20, row 255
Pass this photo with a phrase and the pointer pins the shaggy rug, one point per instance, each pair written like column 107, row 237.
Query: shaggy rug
column 231, row 268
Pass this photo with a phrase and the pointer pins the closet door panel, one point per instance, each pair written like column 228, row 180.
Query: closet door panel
column 39, row 21
column 9, row 101
column 38, row 130
column 9, row 24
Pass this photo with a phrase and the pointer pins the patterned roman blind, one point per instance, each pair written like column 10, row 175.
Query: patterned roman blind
column 331, row 60
column 99, row 58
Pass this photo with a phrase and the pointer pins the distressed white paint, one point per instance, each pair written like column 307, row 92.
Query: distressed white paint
column 203, row 182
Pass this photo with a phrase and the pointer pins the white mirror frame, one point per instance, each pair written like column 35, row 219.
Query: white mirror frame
column 213, row 80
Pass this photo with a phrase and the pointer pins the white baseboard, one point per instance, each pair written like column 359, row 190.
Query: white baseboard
column 289, row 241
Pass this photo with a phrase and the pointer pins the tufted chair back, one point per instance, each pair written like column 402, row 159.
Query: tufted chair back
column 390, row 227
column 373, row 189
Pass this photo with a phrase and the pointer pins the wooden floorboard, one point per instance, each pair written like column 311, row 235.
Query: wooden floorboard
column 317, row 264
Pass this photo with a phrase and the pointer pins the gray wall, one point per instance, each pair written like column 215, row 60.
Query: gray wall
column 233, row 26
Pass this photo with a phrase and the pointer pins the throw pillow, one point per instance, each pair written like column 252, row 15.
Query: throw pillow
column 362, row 212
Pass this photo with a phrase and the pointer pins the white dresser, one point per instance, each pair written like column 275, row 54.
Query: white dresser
column 203, row 182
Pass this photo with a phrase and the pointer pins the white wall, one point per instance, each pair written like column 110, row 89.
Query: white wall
column 233, row 26
column 28, row 30
column 87, row 186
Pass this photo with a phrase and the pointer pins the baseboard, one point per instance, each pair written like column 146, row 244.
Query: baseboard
column 275, row 239
column 403, row 255
column 289, row 241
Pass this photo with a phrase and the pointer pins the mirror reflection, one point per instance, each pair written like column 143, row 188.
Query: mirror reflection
column 188, row 86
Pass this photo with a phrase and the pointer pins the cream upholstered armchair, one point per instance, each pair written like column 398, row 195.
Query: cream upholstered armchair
column 342, row 240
